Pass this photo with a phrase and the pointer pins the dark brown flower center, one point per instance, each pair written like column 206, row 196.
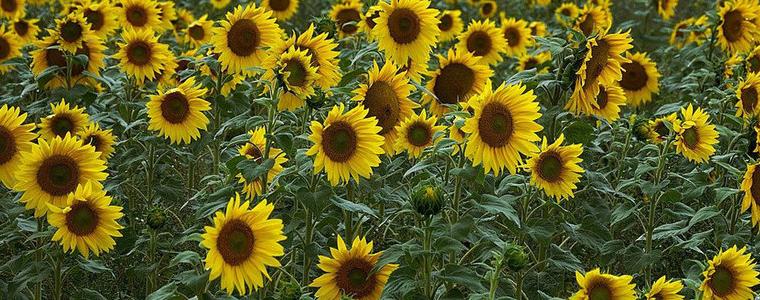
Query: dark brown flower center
column 512, row 35
column 355, row 278
column 175, row 108
column 600, row 291
column 454, row 83
column 531, row 63
column 370, row 19
column 722, row 281
column 550, row 166
column 7, row 145
column 749, row 99
column 197, row 32
column 347, row 20
column 754, row 63
column 446, row 22
column 243, row 38
column 94, row 18
column 58, row 175
column 661, row 130
column 94, row 140
column 496, row 125
column 339, row 141
column 5, row 48
column 61, row 124
column 603, row 98
column 55, row 57
column 487, row 8
column 754, row 189
column 382, row 103
column 254, row 152
column 404, row 26
column 419, row 134
column 21, row 27
column 82, row 219
column 565, row 11
column 279, row 5
column 587, row 26
column 71, row 31
column 9, row 5
column 635, row 77
column 137, row 15
column 235, row 242
column 595, row 65
column 733, row 25
column 296, row 72
column 139, row 53
column 690, row 137
column 479, row 43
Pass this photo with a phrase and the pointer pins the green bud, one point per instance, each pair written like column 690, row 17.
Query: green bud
column 516, row 258
column 156, row 218
column 427, row 198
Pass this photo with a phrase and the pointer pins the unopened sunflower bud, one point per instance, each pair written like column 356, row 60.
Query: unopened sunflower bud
column 427, row 199
column 516, row 258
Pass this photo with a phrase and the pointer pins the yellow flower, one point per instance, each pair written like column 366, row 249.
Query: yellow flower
column 566, row 13
column 140, row 15
column 751, row 188
column 319, row 47
column 484, row 40
column 12, row 9
column 450, row 24
column 10, row 48
column 695, row 136
column 528, row 62
column 177, row 113
column 640, row 79
column 26, row 30
column 281, row 9
column 199, row 32
column 141, row 55
column 730, row 275
column 254, row 150
column 242, row 38
column 64, row 120
column 71, row 32
column 747, row 92
column 406, row 29
column 46, row 56
column 102, row 17
column 737, row 32
column 593, row 19
column 663, row 289
column 15, row 138
column 608, row 102
column 488, row 9
column 596, row 285
column 459, row 76
column 555, row 168
column 102, row 139
column 347, row 15
column 417, row 132
column 666, row 8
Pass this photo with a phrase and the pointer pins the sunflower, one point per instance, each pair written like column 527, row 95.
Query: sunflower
column 664, row 289
column 640, row 79
column 737, row 32
column 529, row 62
column 608, row 102
column 199, row 32
column 347, row 15
column 517, row 35
column 747, row 92
column 48, row 55
column 352, row 273
column 457, row 135
column 281, row 9
column 10, row 9
column 167, row 77
column 140, row 14
column 386, row 97
column 71, row 32
column 695, row 136
column 242, row 37
column 502, row 128
column 414, row 70
column 178, row 113
column 555, row 168
column 730, row 275
column 15, row 138
column 601, row 64
column 484, row 40
column 64, row 120
column 667, row 8
column 537, row 28
column 418, row 132
column 369, row 20
column 167, row 15
column 141, row 55
column 407, row 29
column 297, row 72
column 254, row 150
column 241, row 245
column 488, row 9
column 26, row 30
column 753, row 61
column 53, row 168
column 10, row 48
column 689, row 31
column 451, row 25
column 102, row 17
column 219, row 4
column 347, row 145
column 459, row 76
column 322, row 52
column 593, row 19
column 657, row 131
column 596, row 285
column 88, row 222
column 751, row 188
column 102, row 139
column 567, row 13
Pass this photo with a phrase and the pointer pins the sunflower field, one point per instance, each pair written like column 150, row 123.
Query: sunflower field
column 380, row 149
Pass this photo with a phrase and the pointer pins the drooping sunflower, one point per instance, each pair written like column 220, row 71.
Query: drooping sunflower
column 320, row 48
column 695, row 136
column 608, row 102
column 752, row 60
column 10, row 48
column 102, row 139
column 369, row 20
column 71, row 31
column 751, row 188
column 657, row 131
column 281, row 9
column 407, row 29
column 352, row 272
column 567, row 13
column 88, row 222
column 747, row 92
column 484, row 40
column 26, row 30
column 597, row 285
column 15, row 138
column 537, row 61
column 199, row 32
column 664, row 289
column 666, row 8
column 64, row 120
column 502, row 128
column 141, row 55
column 347, row 145
column 53, row 169
column 10, row 9
column 592, row 19
column 102, row 17
column 418, row 132
column 140, row 15
column 177, row 113
column 220, row 4
column 241, row 39
column 47, row 55
column 640, row 79
column 730, row 275
column 737, row 32
column 167, row 77
column 488, row 9
column 451, row 25
column 254, row 150
column 386, row 97
column 518, row 36
column 601, row 64
column 347, row 15
column 241, row 244
column 459, row 76
column 555, row 169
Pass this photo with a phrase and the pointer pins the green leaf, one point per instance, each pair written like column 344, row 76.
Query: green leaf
column 579, row 132
column 500, row 205
column 464, row 276
column 251, row 169
column 353, row 207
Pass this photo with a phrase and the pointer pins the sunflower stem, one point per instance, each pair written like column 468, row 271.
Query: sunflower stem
column 57, row 275
column 428, row 262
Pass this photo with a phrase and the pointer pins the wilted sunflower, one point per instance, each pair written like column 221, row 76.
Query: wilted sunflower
column 608, row 102
column 407, row 29
column 140, row 15
column 666, row 8
column 15, row 138
column 459, row 76
column 199, row 32
column 451, row 25
column 418, row 132
column 102, row 139
column 518, row 36
column 537, row 61
column 102, row 17
column 64, row 120
column 88, row 222
column 695, row 136
column 347, row 145
column 352, row 273
column 47, row 55
column 369, row 20
column 386, row 97
column 241, row 245
column 737, row 32
column 753, row 60
column 71, row 32
column 751, row 189
column 484, row 40
column 730, row 275
column 322, row 52
column 596, row 285
column 10, row 48
column 141, row 55
column 592, row 19
column 281, row 9
column 502, row 128
column 488, row 9
column 54, row 168
column 167, row 77
column 243, row 36
column 657, row 131
column 10, row 9
column 26, row 30
column 220, row 4
column 254, row 150
column 640, row 79
column 178, row 113
column 347, row 15
column 555, row 169
column 747, row 92
column 664, row 289
column 567, row 13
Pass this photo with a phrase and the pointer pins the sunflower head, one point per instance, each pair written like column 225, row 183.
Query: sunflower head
column 484, row 40
column 640, row 78
column 460, row 76
column 427, row 198
column 297, row 72
column 26, row 29
column 241, row 39
column 566, row 13
column 695, row 136
column 141, row 55
column 102, row 139
column 140, row 14
column 281, row 9
column 72, row 31
column 347, row 15
column 65, row 120
column 10, row 46
column 592, row 19
column 555, row 168
column 730, row 275
column 254, row 150
column 737, row 30
column 199, row 32
column 488, row 9
column 15, row 138
column 751, row 188
column 417, row 132
column 177, row 113
column 12, row 8
column 406, row 29
column 747, row 92
column 450, row 23
column 596, row 285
